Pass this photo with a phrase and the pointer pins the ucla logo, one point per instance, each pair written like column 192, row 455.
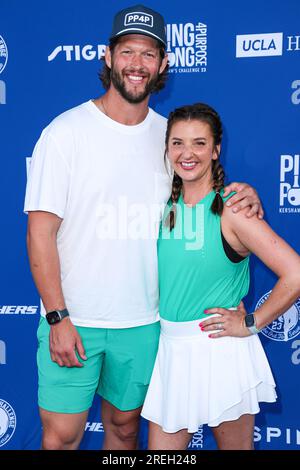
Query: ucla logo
column 138, row 18
column 3, row 54
column 257, row 45
column 285, row 327
column 8, row 422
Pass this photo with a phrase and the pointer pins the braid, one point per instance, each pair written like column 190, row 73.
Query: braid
column 218, row 175
column 176, row 190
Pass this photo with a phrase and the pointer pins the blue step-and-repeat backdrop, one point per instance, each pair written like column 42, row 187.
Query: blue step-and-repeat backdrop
column 243, row 58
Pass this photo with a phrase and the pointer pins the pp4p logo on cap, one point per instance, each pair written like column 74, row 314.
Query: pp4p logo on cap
column 138, row 18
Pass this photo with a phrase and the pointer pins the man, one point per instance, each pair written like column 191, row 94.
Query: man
column 97, row 179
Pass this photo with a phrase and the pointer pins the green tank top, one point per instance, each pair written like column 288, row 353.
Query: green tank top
column 194, row 271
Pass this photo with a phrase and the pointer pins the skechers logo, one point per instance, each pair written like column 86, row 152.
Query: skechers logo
column 18, row 309
column 258, row 45
column 140, row 18
column 94, row 427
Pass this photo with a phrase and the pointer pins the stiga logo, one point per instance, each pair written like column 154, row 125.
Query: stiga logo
column 138, row 18
column 18, row 309
column 77, row 53
column 8, row 422
column 289, row 189
column 187, row 47
column 3, row 54
column 287, row 326
column 259, row 45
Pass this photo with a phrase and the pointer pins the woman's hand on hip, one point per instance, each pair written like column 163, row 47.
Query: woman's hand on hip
column 226, row 322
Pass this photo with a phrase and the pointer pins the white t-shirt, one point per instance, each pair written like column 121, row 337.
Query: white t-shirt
column 109, row 184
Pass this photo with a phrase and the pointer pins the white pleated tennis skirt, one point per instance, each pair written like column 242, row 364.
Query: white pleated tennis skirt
column 200, row 380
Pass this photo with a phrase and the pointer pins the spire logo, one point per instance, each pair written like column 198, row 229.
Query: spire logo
column 277, row 436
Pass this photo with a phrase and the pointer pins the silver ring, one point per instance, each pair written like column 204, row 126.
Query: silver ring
column 219, row 326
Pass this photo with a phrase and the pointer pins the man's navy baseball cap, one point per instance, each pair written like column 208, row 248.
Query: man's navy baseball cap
column 139, row 19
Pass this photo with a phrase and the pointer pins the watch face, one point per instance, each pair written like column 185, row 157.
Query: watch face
column 53, row 317
column 249, row 320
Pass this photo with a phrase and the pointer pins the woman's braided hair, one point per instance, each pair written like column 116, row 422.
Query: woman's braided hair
column 200, row 112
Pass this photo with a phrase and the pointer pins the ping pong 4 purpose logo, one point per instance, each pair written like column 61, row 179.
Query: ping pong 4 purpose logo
column 187, row 47
column 289, row 192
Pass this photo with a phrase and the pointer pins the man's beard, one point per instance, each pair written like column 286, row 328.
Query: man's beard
column 133, row 98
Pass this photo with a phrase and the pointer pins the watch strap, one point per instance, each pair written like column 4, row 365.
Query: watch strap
column 55, row 316
column 253, row 328
column 63, row 313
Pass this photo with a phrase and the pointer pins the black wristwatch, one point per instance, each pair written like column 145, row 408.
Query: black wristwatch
column 56, row 316
column 251, row 324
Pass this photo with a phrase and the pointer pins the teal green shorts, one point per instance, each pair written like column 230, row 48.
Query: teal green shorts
column 118, row 368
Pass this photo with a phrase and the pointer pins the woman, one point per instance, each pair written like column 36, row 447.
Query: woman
column 213, row 371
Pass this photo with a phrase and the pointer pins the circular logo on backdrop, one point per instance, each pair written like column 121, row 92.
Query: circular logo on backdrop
column 3, row 54
column 285, row 327
column 8, row 422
